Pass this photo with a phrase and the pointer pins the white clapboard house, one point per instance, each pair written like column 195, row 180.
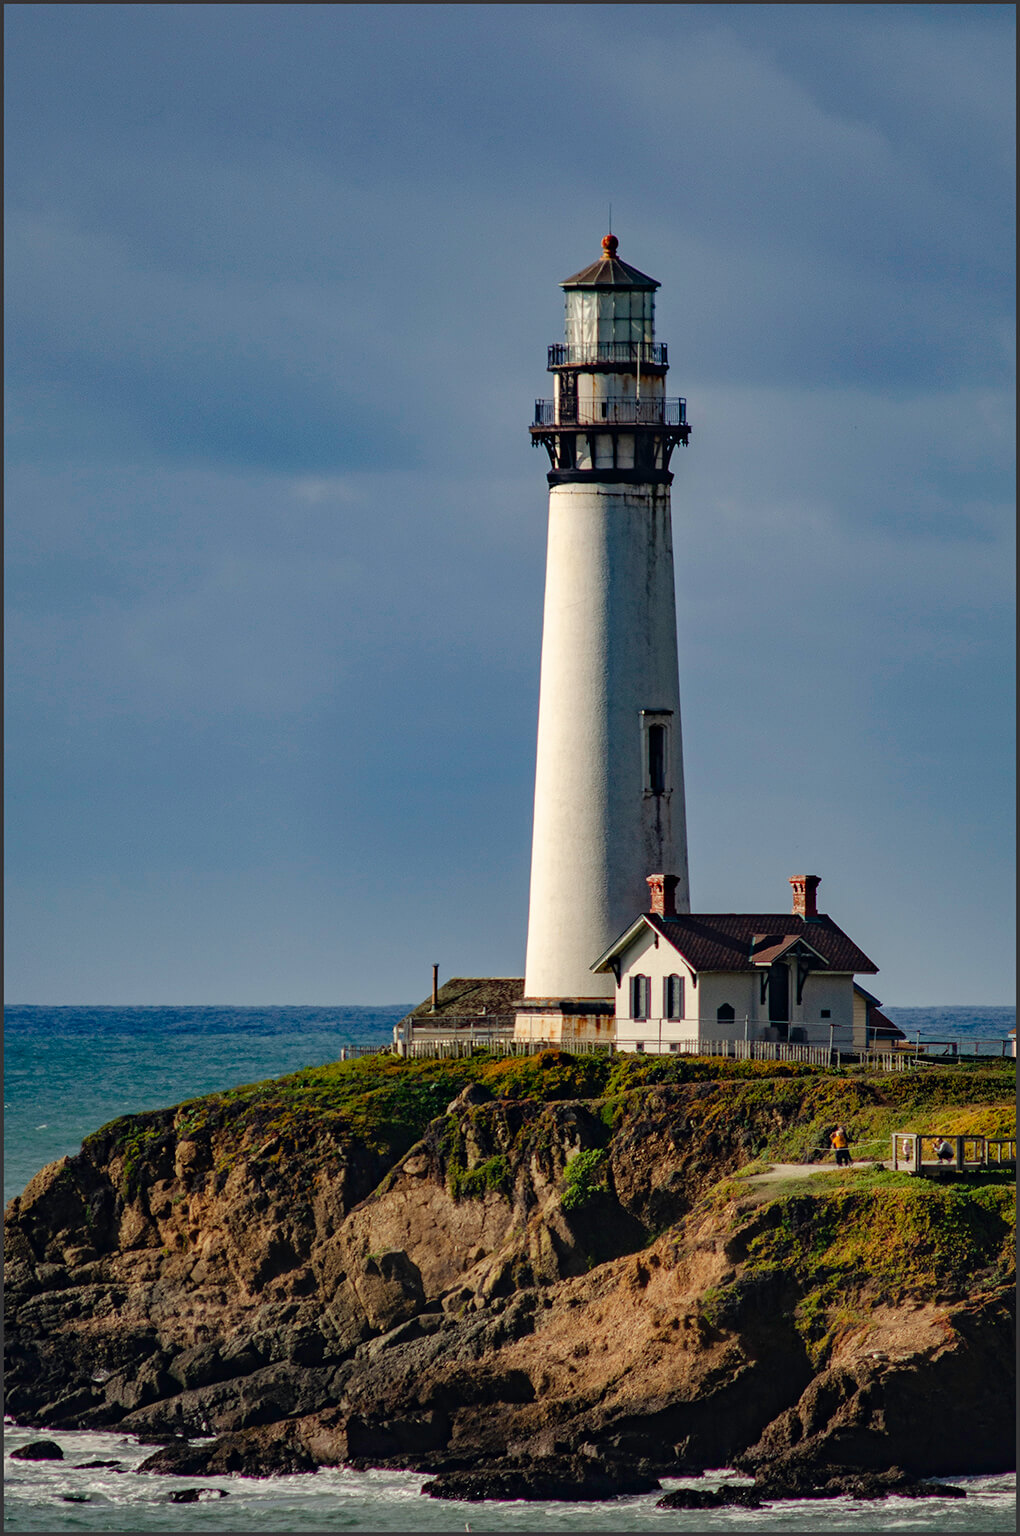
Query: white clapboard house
column 686, row 977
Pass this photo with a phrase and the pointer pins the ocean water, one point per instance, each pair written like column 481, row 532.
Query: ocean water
column 983, row 1028
column 55, row 1496
column 69, row 1070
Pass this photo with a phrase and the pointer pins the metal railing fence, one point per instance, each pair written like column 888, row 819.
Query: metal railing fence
column 960, row 1046
column 458, row 1046
column 456, row 1035
column 915, row 1153
column 735, row 1050
column 565, row 354
column 425, row 1024
column 614, row 411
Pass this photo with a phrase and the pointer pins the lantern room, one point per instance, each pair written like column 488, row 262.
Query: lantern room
column 610, row 310
column 609, row 410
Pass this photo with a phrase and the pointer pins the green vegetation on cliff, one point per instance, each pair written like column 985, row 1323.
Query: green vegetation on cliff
column 584, row 1179
column 838, row 1245
column 386, row 1104
column 572, row 1232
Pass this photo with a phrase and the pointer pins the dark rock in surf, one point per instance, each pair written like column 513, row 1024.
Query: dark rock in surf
column 574, row 1479
column 270, row 1452
column 711, row 1498
column 38, row 1450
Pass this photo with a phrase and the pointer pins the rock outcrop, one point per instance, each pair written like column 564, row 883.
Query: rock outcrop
column 559, row 1289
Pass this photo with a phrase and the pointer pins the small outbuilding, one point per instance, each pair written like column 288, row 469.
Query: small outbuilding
column 872, row 1029
column 464, row 1005
column 688, row 977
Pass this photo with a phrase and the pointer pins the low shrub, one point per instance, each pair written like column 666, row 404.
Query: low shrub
column 584, row 1179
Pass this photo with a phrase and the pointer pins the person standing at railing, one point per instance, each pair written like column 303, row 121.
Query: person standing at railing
column 841, row 1146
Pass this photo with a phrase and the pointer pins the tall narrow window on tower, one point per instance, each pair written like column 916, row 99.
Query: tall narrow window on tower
column 656, row 750
column 656, row 758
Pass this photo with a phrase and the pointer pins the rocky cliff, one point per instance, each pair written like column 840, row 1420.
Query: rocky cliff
column 456, row 1264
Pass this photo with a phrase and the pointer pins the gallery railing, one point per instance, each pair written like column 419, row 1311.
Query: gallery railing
column 616, row 411
column 565, row 355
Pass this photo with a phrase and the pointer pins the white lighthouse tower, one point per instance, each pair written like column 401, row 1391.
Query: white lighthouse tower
column 609, row 794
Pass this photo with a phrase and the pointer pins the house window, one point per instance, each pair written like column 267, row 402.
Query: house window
column 639, row 1045
column 640, row 997
column 673, row 997
column 674, row 1045
column 656, row 758
column 724, row 1014
column 826, row 1013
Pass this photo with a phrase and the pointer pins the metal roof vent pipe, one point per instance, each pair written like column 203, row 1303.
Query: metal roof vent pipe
column 804, row 888
column 663, row 889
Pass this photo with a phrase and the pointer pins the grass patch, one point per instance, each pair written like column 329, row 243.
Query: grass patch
column 136, row 1151
column 376, row 1107
column 493, row 1176
column 750, row 1170
column 841, row 1245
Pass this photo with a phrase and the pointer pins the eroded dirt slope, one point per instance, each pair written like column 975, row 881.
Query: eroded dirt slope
column 532, row 1275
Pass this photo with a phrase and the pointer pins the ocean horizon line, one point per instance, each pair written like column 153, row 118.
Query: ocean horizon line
column 239, row 1005
column 997, row 1007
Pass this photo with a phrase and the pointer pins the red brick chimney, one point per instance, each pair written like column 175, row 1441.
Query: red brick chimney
column 804, row 887
column 663, row 889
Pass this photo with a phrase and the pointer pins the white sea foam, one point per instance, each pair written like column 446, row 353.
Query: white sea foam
column 60, row 1496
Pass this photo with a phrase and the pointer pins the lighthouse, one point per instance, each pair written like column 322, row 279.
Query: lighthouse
column 609, row 789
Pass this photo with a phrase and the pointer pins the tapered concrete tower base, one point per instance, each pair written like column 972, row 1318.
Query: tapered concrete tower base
column 609, row 672
column 609, row 791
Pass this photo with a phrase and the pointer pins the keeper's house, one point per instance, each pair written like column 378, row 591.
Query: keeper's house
column 683, row 977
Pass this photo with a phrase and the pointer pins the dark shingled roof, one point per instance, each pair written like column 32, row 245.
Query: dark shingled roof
column 610, row 272
column 767, row 947
column 463, row 995
column 734, row 941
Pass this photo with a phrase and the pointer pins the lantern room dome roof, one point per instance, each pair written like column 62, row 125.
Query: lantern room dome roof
column 610, row 272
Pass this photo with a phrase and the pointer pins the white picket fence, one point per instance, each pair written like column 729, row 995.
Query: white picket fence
column 457, row 1046
column 749, row 1050
column 735, row 1050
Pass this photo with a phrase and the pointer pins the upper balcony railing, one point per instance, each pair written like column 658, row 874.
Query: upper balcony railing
column 617, row 411
column 651, row 352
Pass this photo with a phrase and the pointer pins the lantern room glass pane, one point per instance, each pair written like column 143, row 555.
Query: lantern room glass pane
column 581, row 319
column 617, row 315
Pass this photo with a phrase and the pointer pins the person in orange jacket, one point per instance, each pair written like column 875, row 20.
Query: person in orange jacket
column 841, row 1146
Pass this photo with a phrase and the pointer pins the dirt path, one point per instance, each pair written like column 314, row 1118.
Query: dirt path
column 779, row 1171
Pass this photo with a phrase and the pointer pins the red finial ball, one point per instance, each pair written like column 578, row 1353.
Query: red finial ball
column 610, row 246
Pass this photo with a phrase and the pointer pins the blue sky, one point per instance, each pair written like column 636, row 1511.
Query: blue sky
column 280, row 281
